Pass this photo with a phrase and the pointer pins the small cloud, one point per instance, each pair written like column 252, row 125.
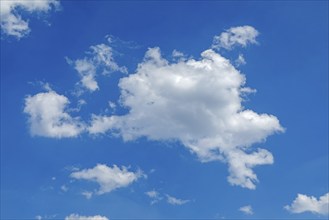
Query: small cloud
column 87, row 194
column 38, row 217
column 235, row 36
column 81, row 217
column 51, row 122
column 304, row 203
column 154, row 195
column 240, row 60
column 246, row 210
column 99, row 59
column 64, row 188
column 108, row 178
column 175, row 201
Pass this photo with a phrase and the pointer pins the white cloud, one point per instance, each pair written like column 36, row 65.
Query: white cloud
column 240, row 60
column 175, row 201
column 154, row 195
column 64, row 188
column 81, row 217
column 48, row 116
column 38, row 217
column 198, row 103
column 87, row 194
column 246, row 210
column 100, row 59
column 304, row 203
column 108, row 178
column 241, row 35
column 11, row 21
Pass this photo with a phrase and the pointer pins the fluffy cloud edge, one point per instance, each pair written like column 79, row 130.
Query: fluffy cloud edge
column 12, row 24
column 304, row 203
column 108, row 178
column 235, row 36
column 161, row 94
column 48, row 116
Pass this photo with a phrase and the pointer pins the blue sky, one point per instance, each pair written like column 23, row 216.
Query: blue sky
column 183, row 149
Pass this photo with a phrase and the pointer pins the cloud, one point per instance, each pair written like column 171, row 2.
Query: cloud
column 87, row 194
column 304, row 203
column 80, row 217
column 99, row 59
column 154, row 195
column 11, row 21
column 175, row 201
column 48, row 116
column 246, row 210
column 235, row 36
column 64, row 188
column 108, row 178
column 240, row 60
column 199, row 104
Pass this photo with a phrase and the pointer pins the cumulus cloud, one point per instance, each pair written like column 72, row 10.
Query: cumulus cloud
column 48, row 116
column 12, row 22
column 99, row 59
column 199, row 104
column 304, row 203
column 175, row 201
column 246, row 210
column 108, row 178
column 81, row 217
column 235, row 36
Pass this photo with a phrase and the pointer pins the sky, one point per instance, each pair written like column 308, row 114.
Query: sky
column 164, row 110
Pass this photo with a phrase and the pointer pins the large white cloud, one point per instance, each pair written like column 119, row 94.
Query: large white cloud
column 241, row 35
column 48, row 116
column 304, row 203
column 108, row 178
column 81, row 217
column 12, row 23
column 197, row 102
column 100, row 59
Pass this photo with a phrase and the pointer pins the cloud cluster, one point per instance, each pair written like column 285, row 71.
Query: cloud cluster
column 195, row 102
column 246, row 210
column 11, row 21
column 198, row 103
column 304, row 203
column 99, row 59
column 235, row 36
column 48, row 116
column 81, row 217
column 108, row 178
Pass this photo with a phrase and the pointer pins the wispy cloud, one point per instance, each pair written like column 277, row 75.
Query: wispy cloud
column 175, row 201
column 246, row 210
column 235, row 36
column 81, row 217
column 99, row 60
